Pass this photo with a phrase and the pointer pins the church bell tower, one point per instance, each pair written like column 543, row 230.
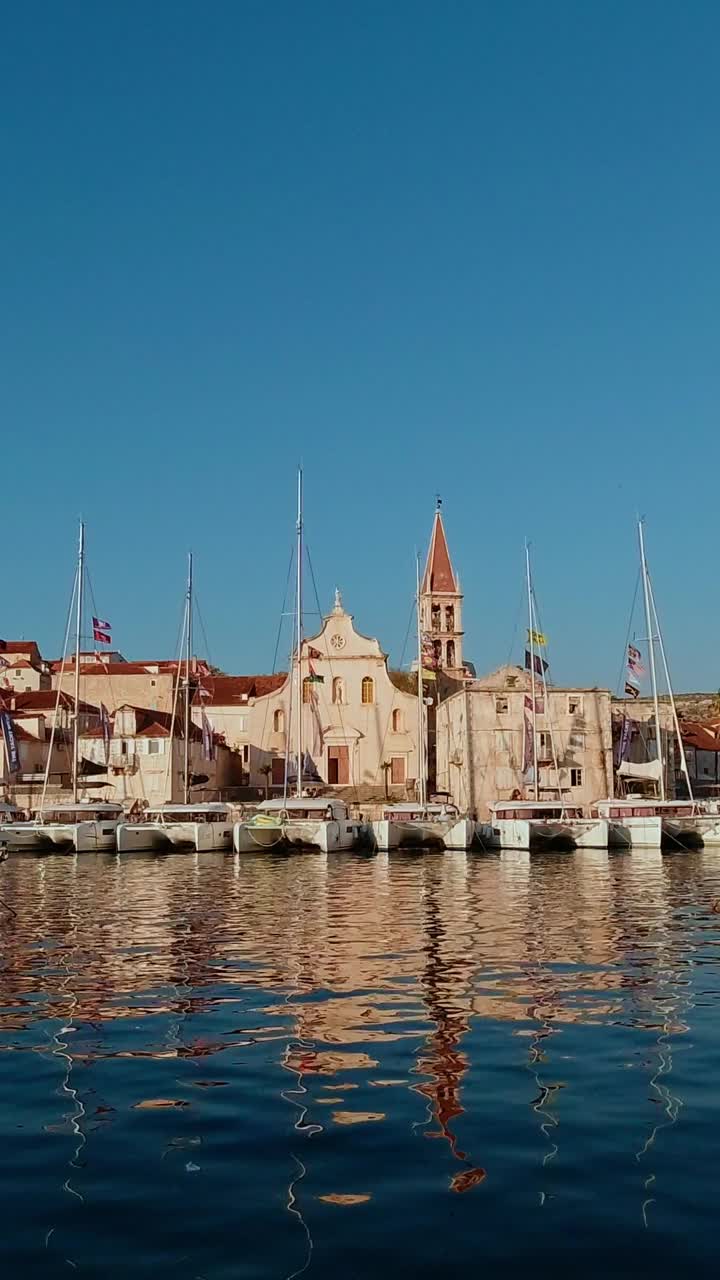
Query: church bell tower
column 441, row 603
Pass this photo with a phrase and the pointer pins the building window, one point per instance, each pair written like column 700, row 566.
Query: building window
column 307, row 689
column 577, row 742
column 435, row 617
column 450, row 653
column 575, row 705
column 368, row 691
column 397, row 721
column 449, row 618
column 246, row 754
column 242, row 724
column 545, row 750
column 397, row 770
column 502, row 706
column 155, row 746
column 576, row 778
column 279, row 722
column 338, row 690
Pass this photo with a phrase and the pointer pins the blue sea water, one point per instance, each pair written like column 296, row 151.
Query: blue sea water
column 408, row 1066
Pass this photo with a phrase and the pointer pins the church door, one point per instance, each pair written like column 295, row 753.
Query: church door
column 338, row 766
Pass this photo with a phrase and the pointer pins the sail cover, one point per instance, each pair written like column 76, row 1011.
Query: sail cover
column 651, row 772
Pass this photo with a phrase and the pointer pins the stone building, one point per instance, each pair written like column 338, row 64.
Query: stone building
column 441, row 603
column 359, row 730
column 481, row 735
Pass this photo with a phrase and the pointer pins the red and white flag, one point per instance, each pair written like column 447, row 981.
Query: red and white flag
column 101, row 631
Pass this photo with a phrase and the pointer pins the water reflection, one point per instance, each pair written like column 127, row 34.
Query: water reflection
column 352, row 1033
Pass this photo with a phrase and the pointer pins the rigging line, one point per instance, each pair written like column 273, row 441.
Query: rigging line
column 278, row 638
column 178, row 675
column 620, row 680
column 198, row 613
column 60, row 691
column 521, row 605
column 329, row 661
column 411, row 619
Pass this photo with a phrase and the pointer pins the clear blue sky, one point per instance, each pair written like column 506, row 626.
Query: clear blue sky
column 470, row 247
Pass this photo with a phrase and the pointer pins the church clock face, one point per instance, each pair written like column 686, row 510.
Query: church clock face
column 337, row 641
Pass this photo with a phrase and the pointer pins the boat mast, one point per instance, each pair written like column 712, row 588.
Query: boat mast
column 421, row 704
column 531, row 643
column 78, row 631
column 676, row 722
column 188, row 659
column 298, row 636
column 651, row 649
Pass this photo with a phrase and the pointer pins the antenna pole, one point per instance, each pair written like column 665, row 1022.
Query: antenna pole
column 78, row 634
column 651, row 650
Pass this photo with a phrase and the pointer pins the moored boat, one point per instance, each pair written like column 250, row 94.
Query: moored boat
column 417, row 826
column 81, row 827
column 543, row 824
column 639, row 822
column 172, row 828
column 298, row 822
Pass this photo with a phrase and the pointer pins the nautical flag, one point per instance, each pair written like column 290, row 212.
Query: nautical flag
column 314, row 678
column 537, row 637
column 202, row 692
column 631, row 690
column 11, row 744
column 534, row 660
column 634, row 661
column 539, row 705
column 105, row 726
column 528, row 742
column 428, row 675
column 208, row 745
column 101, row 631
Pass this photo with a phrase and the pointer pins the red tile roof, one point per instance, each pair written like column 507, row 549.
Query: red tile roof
column 156, row 724
column 45, row 700
column 20, row 646
column 236, row 691
column 702, row 736
column 439, row 574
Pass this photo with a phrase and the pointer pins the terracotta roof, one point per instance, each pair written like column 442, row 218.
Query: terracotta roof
column 156, row 724
column 439, row 574
column 45, row 700
column 20, row 646
column 235, row 691
column 21, row 663
column 704, row 737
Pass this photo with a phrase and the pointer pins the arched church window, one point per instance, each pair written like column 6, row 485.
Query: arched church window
column 435, row 617
column 450, row 653
column 338, row 690
column 307, row 689
column 397, row 721
column 449, row 618
column 368, row 691
column 279, row 722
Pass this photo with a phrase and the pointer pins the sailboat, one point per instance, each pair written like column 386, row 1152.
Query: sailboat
column 78, row 826
column 642, row 821
column 192, row 826
column 321, row 823
column 534, row 823
column 422, row 825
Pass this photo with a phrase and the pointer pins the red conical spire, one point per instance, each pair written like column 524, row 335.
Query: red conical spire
column 439, row 574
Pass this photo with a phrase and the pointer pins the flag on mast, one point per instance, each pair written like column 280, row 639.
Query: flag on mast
column 208, row 744
column 535, row 661
column 105, row 726
column 537, row 637
column 101, row 631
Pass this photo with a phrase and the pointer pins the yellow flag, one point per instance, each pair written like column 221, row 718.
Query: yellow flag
column 537, row 637
column 428, row 675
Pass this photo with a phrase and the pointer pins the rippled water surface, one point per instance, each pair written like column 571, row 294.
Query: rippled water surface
column 359, row 1067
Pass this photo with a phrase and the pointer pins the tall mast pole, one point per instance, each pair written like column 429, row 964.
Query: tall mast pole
column 651, row 648
column 78, row 635
column 531, row 643
column 188, row 659
column 298, row 637
column 421, row 704
column 676, row 722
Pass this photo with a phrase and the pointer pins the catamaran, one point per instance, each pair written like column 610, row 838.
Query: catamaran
column 320, row 823
column 422, row 824
column 637, row 820
column 196, row 826
column 533, row 823
column 79, row 826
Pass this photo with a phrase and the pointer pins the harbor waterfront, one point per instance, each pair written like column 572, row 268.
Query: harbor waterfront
column 220, row 1066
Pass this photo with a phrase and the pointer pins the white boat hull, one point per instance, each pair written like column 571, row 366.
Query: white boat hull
column 537, row 834
column 418, row 834
column 174, row 837
column 61, row 837
column 285, row 835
